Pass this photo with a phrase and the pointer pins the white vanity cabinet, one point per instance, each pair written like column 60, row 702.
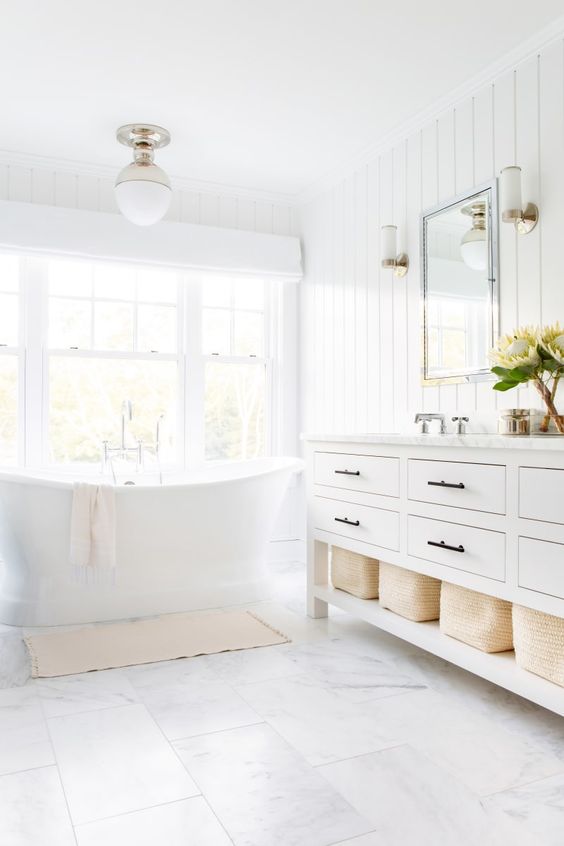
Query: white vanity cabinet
column 485, row 512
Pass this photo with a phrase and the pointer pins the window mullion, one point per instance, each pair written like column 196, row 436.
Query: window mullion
column 194, row 378
column 34, row 335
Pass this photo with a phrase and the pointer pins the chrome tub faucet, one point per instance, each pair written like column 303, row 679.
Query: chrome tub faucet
column 122, row 451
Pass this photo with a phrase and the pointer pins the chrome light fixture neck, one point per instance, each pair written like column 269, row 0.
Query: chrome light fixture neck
column 142, row 188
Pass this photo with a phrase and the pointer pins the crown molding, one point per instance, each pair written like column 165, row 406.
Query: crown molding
column 509, row 61
column 200, row 186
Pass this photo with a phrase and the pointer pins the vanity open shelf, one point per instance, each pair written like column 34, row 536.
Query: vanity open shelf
column 464, row 514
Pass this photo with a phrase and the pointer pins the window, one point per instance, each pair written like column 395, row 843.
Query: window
column 448, row 319
column 233, row 335
column 112, row 336
column 9, row 357
column 192, row 352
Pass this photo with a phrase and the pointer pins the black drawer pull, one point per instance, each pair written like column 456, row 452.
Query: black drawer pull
column 348, row 472
column 459, row 485
column 443, row 545
column 347, row 521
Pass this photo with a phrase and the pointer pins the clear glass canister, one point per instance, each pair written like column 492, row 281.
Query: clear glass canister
column 514, row 421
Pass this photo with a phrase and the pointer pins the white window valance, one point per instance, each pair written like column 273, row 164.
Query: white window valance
column 47, row 229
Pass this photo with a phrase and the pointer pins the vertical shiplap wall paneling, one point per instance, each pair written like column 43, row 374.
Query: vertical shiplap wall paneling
column 339, row 306
column 429, row 198
column 516, row 119
column 349, row 248
column 484, row 171
column 464, row 177
column 373, row 314
column 19, row 184
column 387, row 279
column 446, row 187
column 529, row 294
column 413, row 344
column 361, row 299
column 399, row 287
column 326, row 373
column 551, row 168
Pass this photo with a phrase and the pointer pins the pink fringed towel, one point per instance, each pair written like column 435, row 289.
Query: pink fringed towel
column 93, row 531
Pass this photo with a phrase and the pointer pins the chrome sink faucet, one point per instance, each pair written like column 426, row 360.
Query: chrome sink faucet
column 425, row 419
column 122, row 451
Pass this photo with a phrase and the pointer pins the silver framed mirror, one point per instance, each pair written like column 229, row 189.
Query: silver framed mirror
column 459, row 287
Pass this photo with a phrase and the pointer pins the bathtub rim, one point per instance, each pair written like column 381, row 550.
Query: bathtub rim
column 65, row 479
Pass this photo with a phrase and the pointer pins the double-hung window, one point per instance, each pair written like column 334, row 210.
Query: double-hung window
column 113, row 335
column 199, row 354
column 236, row 367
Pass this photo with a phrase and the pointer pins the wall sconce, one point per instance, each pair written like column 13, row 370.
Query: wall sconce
column 388, row 251
column 524, row 218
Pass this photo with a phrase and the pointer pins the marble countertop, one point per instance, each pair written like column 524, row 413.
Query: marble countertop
column 550, row 443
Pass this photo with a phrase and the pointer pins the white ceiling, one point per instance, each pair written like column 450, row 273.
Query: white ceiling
column 262, row 94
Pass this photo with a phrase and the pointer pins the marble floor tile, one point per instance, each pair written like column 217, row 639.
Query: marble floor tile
column 15, row 666
column 187, row 823
column 189, row 708
column 264, row 793
column 180, row 670
column 33, row 810
column 24, row 739
column 116, row 760
column 474, row 749
column 350, row 670
column 85, row 692
column 253, row 665
column 543, row 728
column 316, row 721
column 538, row 808
column 399, row 791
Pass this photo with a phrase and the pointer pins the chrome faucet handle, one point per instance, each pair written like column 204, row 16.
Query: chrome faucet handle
column 460, row 424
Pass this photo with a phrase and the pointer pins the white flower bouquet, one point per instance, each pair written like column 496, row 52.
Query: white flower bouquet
column 532, row 354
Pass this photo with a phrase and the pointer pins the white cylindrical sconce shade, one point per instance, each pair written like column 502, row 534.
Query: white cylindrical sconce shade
column 510, row 193
column 388, row 245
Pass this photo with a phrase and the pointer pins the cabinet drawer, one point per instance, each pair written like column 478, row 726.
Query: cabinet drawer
column 541, row 494
column 478, row 551
column 362, row 522
column 541, row 566
column 480, row 487
column 369, row 473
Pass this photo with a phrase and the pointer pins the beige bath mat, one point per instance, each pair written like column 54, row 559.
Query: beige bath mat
column 110, row 645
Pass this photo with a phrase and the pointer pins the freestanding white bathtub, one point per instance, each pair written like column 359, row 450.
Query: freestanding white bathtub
column 197, row 541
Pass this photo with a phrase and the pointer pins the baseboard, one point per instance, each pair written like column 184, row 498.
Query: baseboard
column 286, row 550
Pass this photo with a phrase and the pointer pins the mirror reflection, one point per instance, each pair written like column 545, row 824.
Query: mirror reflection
column 459, row 288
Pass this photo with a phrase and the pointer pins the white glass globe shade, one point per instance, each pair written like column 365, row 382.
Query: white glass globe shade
column 143, row 193
column 474, row 249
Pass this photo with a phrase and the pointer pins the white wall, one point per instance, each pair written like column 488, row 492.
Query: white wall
column 360, row 324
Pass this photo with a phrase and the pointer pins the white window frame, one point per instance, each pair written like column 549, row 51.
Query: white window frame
column 34, row 356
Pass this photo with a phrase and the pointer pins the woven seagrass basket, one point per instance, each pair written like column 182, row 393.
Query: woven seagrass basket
column 409, row 594
column 354, row 573
column 475, row 618
column 539, row 643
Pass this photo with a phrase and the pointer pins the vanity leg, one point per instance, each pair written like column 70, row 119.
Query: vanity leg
column 317, row 574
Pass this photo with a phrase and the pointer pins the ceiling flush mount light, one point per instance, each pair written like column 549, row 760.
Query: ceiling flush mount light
column 512, row 211
column 388, row 251
column 474, row 243
column 142, row 188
